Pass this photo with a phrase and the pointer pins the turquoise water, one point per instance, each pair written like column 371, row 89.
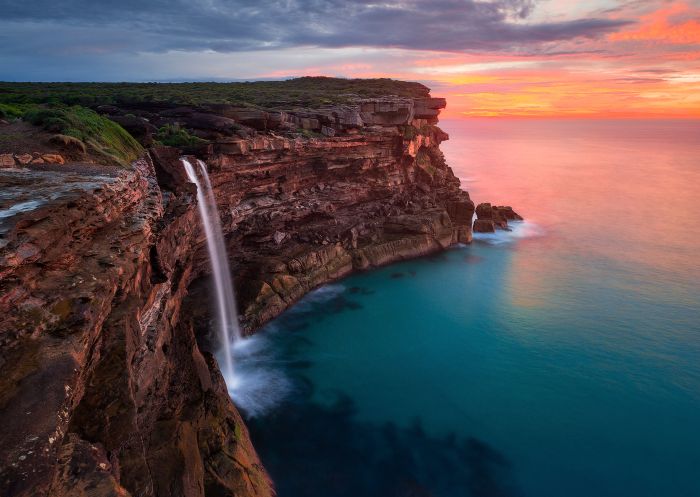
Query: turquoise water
column 561, row 359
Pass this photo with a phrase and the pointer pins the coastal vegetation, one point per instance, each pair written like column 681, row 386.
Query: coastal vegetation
column 78, row 110
column 173, row 135
column 312, row 92
column 88, row 129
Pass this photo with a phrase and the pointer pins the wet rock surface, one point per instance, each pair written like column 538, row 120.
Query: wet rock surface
column 104, row 294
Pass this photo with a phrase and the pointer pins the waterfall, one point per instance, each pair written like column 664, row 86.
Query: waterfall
column 227, row 324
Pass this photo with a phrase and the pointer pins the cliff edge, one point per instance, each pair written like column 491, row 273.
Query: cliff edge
column 106, row 386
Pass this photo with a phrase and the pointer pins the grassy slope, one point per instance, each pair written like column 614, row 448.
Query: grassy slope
column 103, row 138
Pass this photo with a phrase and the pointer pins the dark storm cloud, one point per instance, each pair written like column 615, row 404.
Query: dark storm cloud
column 69, row 27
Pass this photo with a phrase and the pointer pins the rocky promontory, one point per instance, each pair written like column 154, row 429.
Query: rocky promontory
column 107, row 387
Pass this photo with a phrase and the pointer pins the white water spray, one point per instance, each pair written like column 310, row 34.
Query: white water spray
column 229, row 332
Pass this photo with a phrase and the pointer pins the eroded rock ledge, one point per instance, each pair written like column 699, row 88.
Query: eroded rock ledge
column 104, row 389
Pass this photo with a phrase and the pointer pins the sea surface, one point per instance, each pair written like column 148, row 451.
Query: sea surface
column 560, row 359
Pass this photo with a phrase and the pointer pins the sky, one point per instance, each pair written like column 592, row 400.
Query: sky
column 496, row 58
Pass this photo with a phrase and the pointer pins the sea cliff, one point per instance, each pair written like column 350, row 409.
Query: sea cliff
column 107, row 387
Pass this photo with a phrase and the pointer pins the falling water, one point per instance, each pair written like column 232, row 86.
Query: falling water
column 225, row 298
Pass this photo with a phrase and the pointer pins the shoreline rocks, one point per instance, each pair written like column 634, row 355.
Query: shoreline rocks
column 490, row 218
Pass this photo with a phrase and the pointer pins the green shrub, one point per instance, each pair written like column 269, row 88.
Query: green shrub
column 175, row 136
column 302, row 92
column 8, row 111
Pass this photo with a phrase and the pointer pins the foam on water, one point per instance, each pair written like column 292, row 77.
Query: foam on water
column 518, row 231
column 320, row 295
column 260, row 383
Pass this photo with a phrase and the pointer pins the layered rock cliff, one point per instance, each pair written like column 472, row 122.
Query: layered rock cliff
column 104, row 387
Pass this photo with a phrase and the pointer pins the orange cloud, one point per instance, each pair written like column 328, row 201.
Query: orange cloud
column 668, row 25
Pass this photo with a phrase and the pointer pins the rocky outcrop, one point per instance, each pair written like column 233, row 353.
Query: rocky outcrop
column 301, row 212
column 490, row 218
column 106, row 385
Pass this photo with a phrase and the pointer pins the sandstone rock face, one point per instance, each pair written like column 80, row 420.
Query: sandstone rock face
column 484, row 226
column 7, row 160
column 104, row 390
column 484, row 211
column 361, row 198
column 53, row 159
column 104, row 386
column 507, row 212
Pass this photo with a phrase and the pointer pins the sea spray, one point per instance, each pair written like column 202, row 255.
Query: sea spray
column 517, row 230
column 227, row 325
column 261, row 368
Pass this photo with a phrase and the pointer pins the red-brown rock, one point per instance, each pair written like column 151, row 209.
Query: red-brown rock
column 484, row 226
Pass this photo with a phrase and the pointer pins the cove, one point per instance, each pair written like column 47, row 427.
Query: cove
column 561, row 359
column 427, row 378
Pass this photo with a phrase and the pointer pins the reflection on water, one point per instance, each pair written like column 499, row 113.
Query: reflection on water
column 560, row 359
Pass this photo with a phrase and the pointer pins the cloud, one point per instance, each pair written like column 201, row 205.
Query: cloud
column 72, row 27
column 676, row 24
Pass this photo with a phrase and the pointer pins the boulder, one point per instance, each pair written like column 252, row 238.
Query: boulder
column 498, row 215
column 484, row 226
column 6, row 160
column 169, row 170
column 484, row 211
column 508, row 213
column 24, row 159
column 53, row 159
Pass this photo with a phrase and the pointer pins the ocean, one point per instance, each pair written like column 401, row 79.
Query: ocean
column 559, row 359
